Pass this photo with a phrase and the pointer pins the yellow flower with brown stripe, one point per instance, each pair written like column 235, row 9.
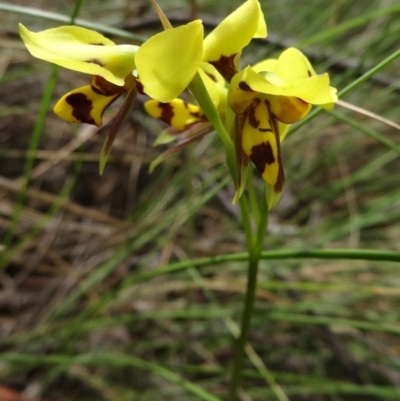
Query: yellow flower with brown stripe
column 223, row 46
column 267, row 98
column 164, row 65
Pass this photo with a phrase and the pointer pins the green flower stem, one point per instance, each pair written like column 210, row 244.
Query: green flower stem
column 199, row 91
column 255, row 241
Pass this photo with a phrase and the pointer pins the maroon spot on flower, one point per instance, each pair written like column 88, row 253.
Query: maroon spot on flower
column 95, row 61
column 225, row 65
column 309, row 73
column 302, row 101
column 167, row 112
column 265, row 130
column 102, row 87
column 213, row 77
column 253, row 120
column 251, row 113
column 262, row 155
column 244, row 87
column 97, row 44
column 81, row 107
column 96, row 90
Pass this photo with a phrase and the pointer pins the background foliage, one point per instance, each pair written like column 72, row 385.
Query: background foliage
column 102, row 295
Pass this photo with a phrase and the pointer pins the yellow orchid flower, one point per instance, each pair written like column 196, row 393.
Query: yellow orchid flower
column 267, row 98
column 221, row 51
column 182, row 115
column 164, row 65
column 187, row 122
column 223, row 46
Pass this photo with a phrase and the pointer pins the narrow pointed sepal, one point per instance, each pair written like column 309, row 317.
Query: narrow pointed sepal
column 105, row 151
column 115, row 126
column 242, row 181
column 184, row 138
column 272, row 196
column 166, row 137
column 242, row 159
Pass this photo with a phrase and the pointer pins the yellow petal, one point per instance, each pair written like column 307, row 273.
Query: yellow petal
column 235, row 32
column 314, row 90
column 240, row 94
column 82, row 50
column 177, row 113
column 261, row 143
column 84, row 105
column 293, row 65
column 270, row 65
column 168, row 61
column 289, row 109
column 216, row 87
column 213, row 73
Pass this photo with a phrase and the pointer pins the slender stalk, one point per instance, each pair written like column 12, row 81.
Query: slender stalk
column 245, row 327
column 199, row 90
column 254, row 244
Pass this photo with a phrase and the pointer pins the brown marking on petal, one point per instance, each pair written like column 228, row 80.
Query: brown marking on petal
column 81, row 107
column 94, row 61
column 96, row 90
column 303, row 101
column 97, row 44
column 244, row 87
column 280, row 180
column 213, row 77
column 265, row 129
column 309, row 73
column 261, row 155
column 251, row 113
column 225, row 65
column 253, row 120
column 167, row 113
column 102, row 87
